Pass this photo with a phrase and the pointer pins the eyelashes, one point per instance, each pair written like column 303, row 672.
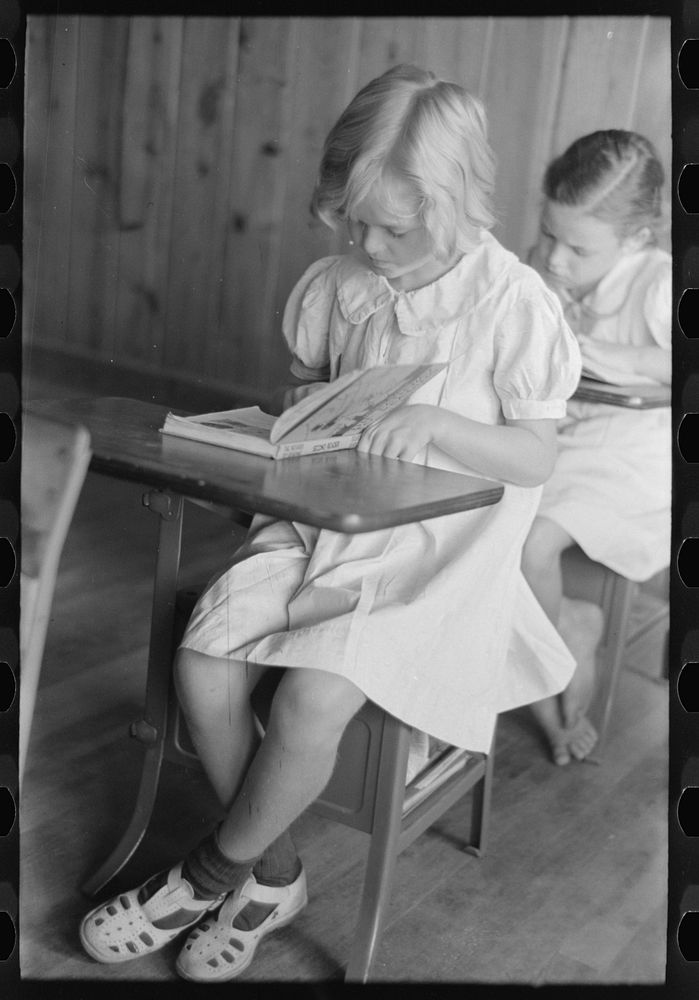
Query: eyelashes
column 578, row 251
column 362, row 225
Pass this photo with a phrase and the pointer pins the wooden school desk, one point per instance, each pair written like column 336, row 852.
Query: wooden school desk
column 342, row 491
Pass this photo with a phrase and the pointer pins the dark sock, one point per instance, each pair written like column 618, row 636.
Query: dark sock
column 210, row 872
column 279, row 864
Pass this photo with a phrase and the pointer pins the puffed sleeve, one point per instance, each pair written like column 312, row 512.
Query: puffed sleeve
column 657, row 305
column 537, row 359
column 306, row 321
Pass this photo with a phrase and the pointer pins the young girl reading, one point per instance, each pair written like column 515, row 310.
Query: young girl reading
column 416, row 618
column 610, row 489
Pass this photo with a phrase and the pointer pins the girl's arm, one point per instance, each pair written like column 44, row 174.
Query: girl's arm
column 522, row 452
column 653, row 361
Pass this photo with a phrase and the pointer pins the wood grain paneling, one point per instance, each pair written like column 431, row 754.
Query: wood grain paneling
column 170, row 162
column 96, row 254
column 597, row 83
column 528, row 89
column 457, row 48
column 652, row 108
column 205, row 142
column 52, row 62
column 147, row 160
column 652, row 111
column 324, row 50
column 253, row 209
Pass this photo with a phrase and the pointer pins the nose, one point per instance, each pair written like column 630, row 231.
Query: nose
column 371, row 240
column 556, row 256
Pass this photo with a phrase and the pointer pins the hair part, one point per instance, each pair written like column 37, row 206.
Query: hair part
column 432, row 134
column 615, row 176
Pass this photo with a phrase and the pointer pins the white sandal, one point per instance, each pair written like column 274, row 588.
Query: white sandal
column 216, row 951
column 124, row 928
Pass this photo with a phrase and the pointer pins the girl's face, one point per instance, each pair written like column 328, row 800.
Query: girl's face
column 577, row 249
column 392, row 240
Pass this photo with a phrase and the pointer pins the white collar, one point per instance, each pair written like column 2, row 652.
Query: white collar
column 361, row 292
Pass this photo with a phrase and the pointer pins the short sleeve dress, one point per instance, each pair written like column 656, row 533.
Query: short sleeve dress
column 419, row 616
column 611, row 487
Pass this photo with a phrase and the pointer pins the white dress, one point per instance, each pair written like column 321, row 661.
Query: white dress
column 419, row 616
column 611, row 487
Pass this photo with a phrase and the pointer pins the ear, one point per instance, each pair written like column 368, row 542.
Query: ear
column 636, row 241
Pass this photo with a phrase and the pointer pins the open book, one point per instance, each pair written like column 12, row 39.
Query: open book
column 330, row 419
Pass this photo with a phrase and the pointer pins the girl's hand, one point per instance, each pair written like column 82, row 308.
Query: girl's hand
column 403, row 433
column 522, row 452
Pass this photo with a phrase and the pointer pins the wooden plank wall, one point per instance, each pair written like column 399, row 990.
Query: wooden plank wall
column 169, row 163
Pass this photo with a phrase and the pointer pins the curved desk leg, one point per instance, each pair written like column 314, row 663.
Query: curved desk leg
column 151, row 729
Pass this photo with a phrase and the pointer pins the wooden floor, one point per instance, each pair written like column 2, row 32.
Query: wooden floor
column 573, row 889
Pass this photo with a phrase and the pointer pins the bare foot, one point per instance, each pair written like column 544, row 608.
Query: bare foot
column 566, row 742
column 579, row 734
column 580, row 625
column 575, row 700
column 548, row 715
column 581, row 738
column 559, row 751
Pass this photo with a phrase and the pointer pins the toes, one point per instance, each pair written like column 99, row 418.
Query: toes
column 582, row 739
column 582, row 747
column 561, row 757
column 581, row 751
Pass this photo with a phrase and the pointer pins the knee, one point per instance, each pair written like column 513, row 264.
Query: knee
column 205, row 682
column 187, row 671
column 314, row 707
column 543, row 547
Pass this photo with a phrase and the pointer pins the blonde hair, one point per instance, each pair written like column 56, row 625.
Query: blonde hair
column 613, row 175
column 425, row 131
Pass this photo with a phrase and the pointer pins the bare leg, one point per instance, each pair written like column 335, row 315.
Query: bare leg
column 291, row 766
column 562, row 717
column 215, row 698
column 294, row 762
column 267, row 783
column 580, row 625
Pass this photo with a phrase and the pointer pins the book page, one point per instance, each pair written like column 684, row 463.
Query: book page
column 249, row 420
column 351, row 403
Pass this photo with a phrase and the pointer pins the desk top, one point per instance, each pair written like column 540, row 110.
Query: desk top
column 344, row 491
column 648, row 396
